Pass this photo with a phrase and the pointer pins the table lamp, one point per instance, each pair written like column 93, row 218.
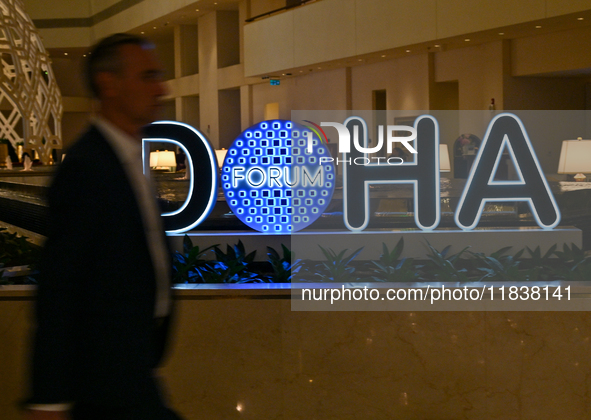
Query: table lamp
column 575, row 158
column 221, row 155
column 444, row 165
column 163, row 159
column 154, row 159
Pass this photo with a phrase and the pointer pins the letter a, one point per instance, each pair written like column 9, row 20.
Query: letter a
column 507, row 129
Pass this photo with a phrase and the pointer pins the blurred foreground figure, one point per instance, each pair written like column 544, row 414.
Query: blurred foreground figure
column 103, row 303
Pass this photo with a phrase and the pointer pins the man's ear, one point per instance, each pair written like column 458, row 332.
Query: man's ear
column 106, row 82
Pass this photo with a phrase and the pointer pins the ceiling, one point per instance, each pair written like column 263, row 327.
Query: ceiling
column 161, row 31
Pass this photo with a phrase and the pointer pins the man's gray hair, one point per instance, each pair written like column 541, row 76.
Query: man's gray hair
column 105, row 57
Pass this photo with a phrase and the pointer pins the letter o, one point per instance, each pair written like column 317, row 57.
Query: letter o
column 249, row 177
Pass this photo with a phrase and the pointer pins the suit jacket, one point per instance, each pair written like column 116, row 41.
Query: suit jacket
column 96, row 341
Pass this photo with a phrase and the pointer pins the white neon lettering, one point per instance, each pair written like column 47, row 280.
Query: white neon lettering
column 249, row 177
column 373, row 174
column 317, row 177
column 257, row 176
column 286, row 172
column 506, row 146
column 274, row 173
column 236, row 176
column 539, row 194
column 212, row 197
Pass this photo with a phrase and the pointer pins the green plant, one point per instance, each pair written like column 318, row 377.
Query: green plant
column 232, row 266
column 283, row 267
column 391, row 268
column 441, row 267
column 337, row 266
column 499, row 266
column 190, row 265
column 540, row 267
column 17, row 250
column 575, row 265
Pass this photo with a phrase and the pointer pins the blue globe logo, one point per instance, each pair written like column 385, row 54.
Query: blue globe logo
column 273, row 181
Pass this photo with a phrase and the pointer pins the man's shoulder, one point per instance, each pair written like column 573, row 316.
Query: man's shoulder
column 91, row 141
column 89, row 158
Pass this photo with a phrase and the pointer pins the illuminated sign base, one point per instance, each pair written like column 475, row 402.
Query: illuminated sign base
column 305, row 244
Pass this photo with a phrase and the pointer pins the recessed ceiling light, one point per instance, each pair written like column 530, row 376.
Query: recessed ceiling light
column 196, row 10
column 384, row 56
column 580, row 18
column 501, row 33
column 143, row 32
column 361, row 59
column 319, row 68
column 84, row 55
column 407, row 51
column 467, row 39
column 538, row 26
column 154, row 27
column 65, row 53
column 437, row 45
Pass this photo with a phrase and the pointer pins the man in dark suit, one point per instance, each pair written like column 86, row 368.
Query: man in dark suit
column 103, row 303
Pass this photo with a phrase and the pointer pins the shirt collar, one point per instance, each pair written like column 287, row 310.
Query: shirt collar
column 126, row 147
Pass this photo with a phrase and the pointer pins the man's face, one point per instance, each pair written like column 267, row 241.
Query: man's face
column 139, row 88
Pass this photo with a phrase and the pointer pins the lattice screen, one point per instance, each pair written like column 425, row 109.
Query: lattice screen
column 30, row 100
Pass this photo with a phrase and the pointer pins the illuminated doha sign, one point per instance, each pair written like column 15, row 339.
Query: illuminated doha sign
column 278, row 176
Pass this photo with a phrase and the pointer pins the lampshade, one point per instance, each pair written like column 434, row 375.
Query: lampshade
column 575, row 157
column 163, row 159
column 221, row 155
column 154, row 159
column 444, row 165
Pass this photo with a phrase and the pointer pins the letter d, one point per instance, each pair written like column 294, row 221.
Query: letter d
column 203, row 166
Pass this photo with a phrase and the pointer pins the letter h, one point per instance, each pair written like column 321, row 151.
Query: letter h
column 423, row 174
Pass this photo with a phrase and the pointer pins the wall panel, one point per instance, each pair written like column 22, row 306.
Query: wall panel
column 324, row 31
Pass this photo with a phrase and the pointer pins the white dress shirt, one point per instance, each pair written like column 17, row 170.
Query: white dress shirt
column 129, row 153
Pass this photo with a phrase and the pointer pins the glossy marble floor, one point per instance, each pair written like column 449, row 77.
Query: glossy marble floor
column 253, row 358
